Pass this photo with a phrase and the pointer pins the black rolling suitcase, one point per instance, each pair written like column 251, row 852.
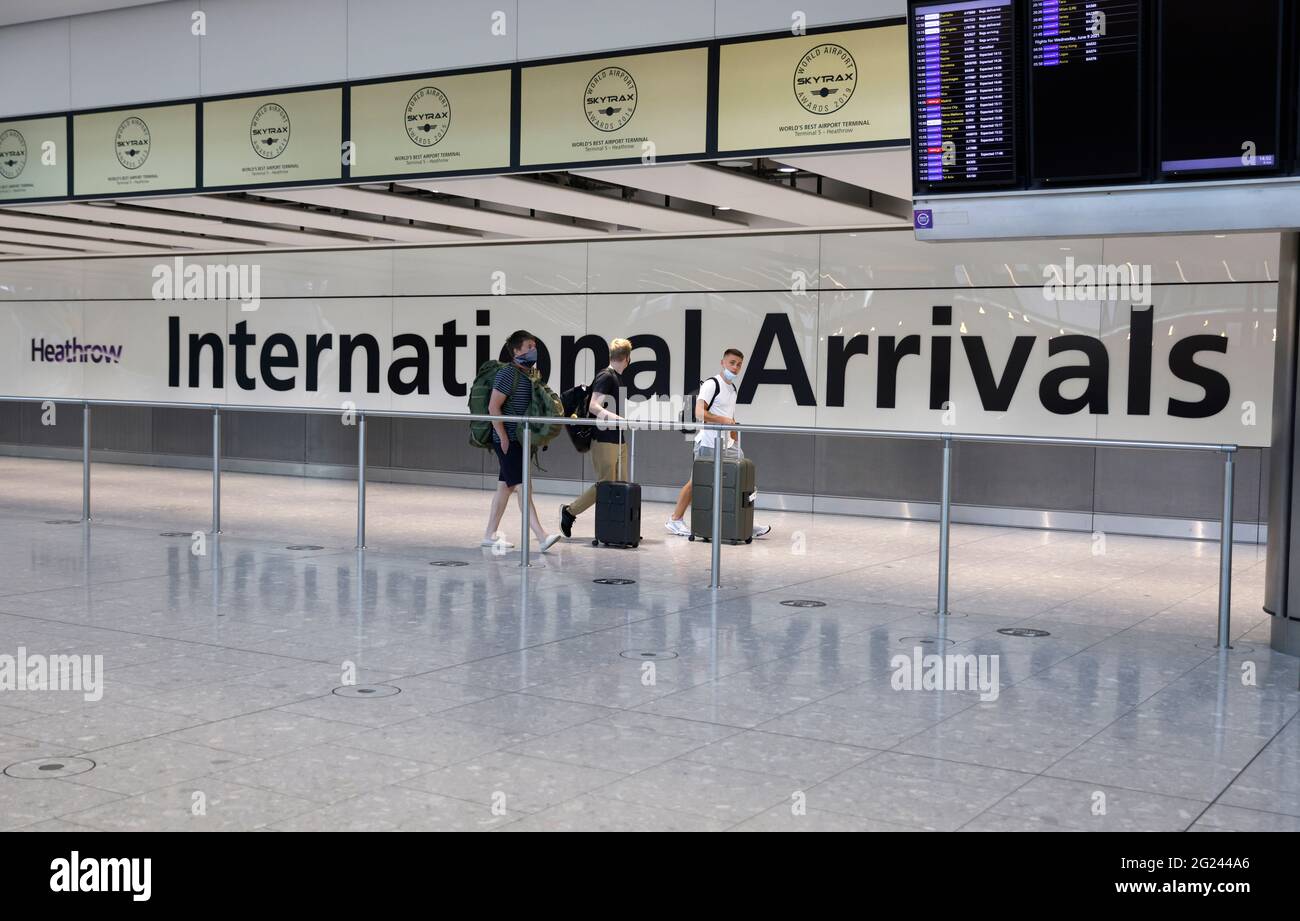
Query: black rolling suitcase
column 738, row 485
column 618, row 512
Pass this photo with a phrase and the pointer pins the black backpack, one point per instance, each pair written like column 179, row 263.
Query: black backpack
column 576, row 402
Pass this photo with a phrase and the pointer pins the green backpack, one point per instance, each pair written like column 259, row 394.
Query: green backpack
column 544, row 403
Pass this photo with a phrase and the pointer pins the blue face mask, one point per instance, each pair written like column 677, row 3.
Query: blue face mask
column 729, row 375
column 528, row 359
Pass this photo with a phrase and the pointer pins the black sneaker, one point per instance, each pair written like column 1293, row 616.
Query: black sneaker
column 567, row 518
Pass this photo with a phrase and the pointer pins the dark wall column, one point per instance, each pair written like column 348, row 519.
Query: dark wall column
column 1282, row 568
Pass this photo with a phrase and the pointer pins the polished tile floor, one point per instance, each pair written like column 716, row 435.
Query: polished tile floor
column 513, row 702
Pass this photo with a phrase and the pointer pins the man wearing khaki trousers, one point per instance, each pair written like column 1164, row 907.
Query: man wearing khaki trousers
column 609, row 451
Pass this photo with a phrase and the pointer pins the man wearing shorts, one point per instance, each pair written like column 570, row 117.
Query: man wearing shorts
column 512, row 391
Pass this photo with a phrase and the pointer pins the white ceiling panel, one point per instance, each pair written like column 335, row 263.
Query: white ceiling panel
column 432, row 212
column 719, row 187
column 82, row 244
column 254, row 211
column 11, row 218
column 135, row 217
column 559, row 199
column 886, row 170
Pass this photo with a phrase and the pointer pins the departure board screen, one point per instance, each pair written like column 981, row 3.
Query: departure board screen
column 964, row 94
column 1085, row 90
column 1220, row 86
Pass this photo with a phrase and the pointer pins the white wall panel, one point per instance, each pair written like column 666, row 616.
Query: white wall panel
column 54, row 323
column 410, row 36
column 135, row 278
column 744, row 17
column 552, row 28
column 142, row 328
column 38, row 51
column 49, row 279
column 134, row 55
column 253, row 44
column 736, row 264
column 1212, row 258
column 555, row 268
column 367, row 273
column 897, row 260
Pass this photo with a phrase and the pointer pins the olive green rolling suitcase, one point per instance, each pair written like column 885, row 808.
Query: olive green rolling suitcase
column 738, row 484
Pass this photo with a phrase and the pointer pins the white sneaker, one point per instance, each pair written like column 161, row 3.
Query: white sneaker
column 762, row 530
column 497, row 541
column 550, row 540
column 678, row 527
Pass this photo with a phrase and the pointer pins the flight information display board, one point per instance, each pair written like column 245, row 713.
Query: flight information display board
column 1085, row 57
column 1220, row 86
column 964, row 94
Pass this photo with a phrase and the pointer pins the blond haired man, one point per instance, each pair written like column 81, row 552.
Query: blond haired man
column 609, row 451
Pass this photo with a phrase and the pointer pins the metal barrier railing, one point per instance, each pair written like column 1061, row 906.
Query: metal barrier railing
column 946, row 439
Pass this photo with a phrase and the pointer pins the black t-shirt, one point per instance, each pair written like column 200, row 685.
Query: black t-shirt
column 609, row 384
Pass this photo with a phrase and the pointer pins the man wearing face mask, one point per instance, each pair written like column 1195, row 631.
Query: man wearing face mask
column 716, row 404
column 609, row 451
column 512, row 391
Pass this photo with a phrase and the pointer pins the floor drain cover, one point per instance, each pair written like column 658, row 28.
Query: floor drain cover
column 926, row 641
column 803, row 603
column 65, row 521
column 449, row 563
column 1022, row 631
column 646, row 655
column 614, row 581
column 367, row 690
column 42, row 768
column 175, row 534
column 304, row 547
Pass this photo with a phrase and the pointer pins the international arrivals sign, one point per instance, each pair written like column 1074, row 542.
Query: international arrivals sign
column 1193, row 364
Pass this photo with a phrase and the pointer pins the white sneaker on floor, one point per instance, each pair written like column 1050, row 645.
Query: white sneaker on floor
column 678, row 527
column 550, row 541
column 497, row 541
column 762, row 530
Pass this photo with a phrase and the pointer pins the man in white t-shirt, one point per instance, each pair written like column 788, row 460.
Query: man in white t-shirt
column 715, row 404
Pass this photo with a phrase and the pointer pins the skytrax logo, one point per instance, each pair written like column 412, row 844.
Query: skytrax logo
column 103, row 874
column 72, row 351
column 236, row 281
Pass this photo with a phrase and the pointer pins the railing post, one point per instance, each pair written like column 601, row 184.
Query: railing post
column 526, row 497
column 1225, row 554
column 715, row 546
column 85, row 461
column 361, row 481
column 216, row 470
column 945, row 523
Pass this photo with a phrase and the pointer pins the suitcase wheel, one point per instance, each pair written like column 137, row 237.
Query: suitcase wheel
column 635, row 543
column 750, row 540
column 595, row 543
column 691, row 538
